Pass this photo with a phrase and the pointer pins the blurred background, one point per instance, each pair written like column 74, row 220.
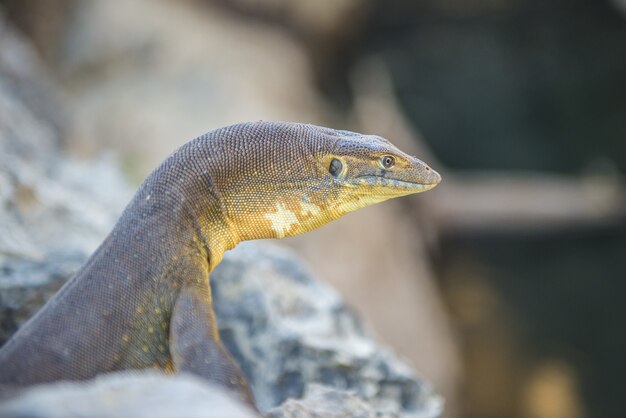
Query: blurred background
column 505, row 286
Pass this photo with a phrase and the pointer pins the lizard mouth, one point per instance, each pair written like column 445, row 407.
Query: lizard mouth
column 397, row 184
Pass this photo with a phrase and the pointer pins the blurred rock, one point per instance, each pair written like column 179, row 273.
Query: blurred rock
column 313, row 17
column 145, row 86
column 328, row 29
column 129, row 394
column 24, row 78
column 53, row 210
column 321, row 401
column 41, row 20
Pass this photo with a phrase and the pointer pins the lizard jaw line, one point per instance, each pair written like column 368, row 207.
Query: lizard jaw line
column 395, row 183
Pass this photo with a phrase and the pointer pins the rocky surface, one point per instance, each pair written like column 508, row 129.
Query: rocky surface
column 288, row 331
column 54, row 210
column 121, row 395
column 321, row 401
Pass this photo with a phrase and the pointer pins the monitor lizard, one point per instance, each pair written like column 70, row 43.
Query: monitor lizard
column 143, row 299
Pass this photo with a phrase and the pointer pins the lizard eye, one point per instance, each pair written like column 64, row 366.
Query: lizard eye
column 335, row 167
column 387, row 161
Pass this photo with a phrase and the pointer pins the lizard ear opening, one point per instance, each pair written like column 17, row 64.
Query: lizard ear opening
column 335, row 167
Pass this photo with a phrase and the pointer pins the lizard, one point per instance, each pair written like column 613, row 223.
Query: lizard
column 143, row 299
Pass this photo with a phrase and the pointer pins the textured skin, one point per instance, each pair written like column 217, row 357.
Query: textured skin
column 143, row 298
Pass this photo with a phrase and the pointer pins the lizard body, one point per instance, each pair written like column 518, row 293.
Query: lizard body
column 143, row 299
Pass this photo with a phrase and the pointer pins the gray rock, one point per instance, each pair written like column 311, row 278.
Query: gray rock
column 129, row 394
column 25, row 78
column 54, row 210
column 288, row 330
column 322, row 401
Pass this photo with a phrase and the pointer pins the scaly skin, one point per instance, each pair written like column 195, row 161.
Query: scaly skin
column 143, row 298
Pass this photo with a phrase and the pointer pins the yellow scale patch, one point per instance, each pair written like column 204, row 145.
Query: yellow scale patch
column 310, row 209
column 283, row 218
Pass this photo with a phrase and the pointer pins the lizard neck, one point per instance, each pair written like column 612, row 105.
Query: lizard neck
column 180, row 201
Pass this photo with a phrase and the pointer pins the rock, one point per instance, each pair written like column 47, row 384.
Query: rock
column 54, row 210
column 288, row 330
column 26, row 80
column 328, row 29
column 145, row 87
column 129, row 394
column 311, row 18
column 43, row 21
column 322, row 401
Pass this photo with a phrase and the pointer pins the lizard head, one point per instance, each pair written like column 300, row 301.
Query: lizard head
column 293, row 178
column 365, row 169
